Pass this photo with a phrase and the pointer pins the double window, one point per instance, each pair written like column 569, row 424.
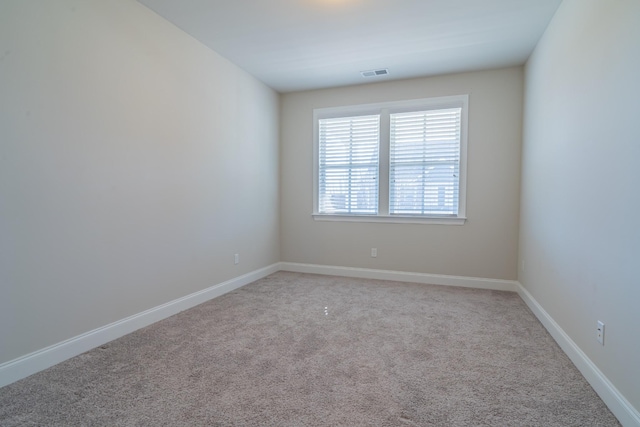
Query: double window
column 392, row 162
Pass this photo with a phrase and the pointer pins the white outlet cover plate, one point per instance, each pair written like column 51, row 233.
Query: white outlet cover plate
column 600, row 332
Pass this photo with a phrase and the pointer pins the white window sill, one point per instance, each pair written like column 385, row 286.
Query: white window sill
column 391, row 219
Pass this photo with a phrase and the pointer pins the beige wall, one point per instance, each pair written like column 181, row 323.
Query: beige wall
column 579, row 237
column 486, row 246
column 134, row 162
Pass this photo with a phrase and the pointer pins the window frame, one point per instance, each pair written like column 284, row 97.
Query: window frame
column 385, row 109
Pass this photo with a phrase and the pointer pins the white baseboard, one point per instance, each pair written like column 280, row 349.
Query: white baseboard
column 402, row 276
column 617, row 403
column 29, row 364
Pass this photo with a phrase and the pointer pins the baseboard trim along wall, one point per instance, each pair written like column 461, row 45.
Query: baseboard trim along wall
column 29, row 364
column 617, row 403
column 402, row 276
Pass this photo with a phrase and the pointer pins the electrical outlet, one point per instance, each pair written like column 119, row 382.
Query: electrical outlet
column 236, row 259
column 600, row 332
column 374, row 252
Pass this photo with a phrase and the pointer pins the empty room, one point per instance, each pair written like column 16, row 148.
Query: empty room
column 319, row 213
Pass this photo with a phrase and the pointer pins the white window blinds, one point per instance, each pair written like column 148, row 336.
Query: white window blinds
column 424, row 162
column 348, row 165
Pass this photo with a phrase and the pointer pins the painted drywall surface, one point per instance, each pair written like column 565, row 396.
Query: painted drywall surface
column 134, row 162
column 579, row 239
column 486, row 246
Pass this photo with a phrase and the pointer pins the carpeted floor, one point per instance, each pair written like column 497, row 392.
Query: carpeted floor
column 305, row 350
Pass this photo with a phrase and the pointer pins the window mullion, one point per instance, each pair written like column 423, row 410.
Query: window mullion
column 424, row 166
column 350, row 187
column 383, row 168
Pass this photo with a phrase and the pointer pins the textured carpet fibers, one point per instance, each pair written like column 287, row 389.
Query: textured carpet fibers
column 305, row 350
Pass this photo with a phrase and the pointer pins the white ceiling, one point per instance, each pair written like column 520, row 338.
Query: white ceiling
column 307, row 44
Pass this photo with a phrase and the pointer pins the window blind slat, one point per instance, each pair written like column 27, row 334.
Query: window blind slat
column 348, row 165
column 424, row 164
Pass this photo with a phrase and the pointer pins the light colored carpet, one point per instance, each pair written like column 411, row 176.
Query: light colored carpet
column 305, row 350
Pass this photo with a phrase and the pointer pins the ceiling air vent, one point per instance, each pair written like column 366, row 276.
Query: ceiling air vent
column 374, row 73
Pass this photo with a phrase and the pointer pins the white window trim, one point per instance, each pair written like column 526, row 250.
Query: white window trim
column 384, row 109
